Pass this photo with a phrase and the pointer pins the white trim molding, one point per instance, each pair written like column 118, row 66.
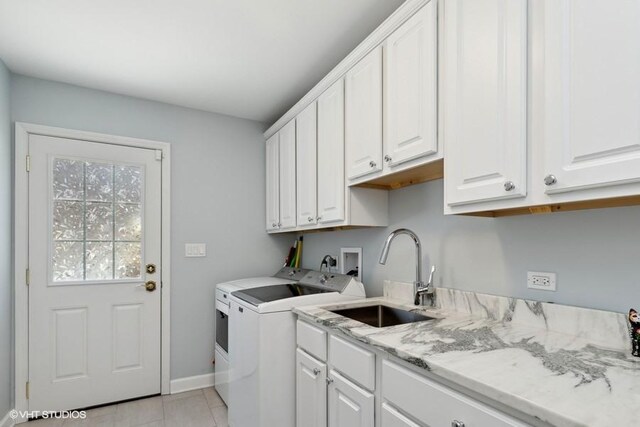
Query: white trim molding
column 7, row 421
column 21, row 250
column 380, row 34
column 197, row 382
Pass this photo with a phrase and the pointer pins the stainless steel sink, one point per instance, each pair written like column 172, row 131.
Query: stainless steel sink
column 380, row 316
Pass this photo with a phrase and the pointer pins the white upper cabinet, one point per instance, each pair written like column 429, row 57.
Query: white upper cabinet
column 331, row 186
column 287, row 176
column 363, row 116
column 306, row 173
column 410, row 88
column 485, row 100
column 273, row 183
column 592, row 94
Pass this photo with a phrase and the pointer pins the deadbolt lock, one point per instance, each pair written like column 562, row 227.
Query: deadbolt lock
column 151, row 268
column 150, row 286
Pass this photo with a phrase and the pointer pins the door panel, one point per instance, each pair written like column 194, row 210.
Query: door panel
column 331, row 189
column 273, row 182
column 485, row 98
column 306, row 166
column 410, row 88
column 592, row 93
column 94, row 329
column 311, row 391
column 363, row 116
column 391, row 417
column 349, row 405
column 287, row 175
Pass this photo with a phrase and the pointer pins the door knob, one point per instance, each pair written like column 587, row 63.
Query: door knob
column 550, row 180
column 509, row 185
column 150, row 286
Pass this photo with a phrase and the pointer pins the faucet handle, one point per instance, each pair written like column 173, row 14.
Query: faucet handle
column 430, row 281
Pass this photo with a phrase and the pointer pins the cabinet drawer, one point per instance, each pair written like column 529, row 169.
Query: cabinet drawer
column 434, row 404
column 353, row 361
column 392, row 418
column 313, row 340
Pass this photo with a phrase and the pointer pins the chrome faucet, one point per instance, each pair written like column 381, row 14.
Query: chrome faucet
column 419, row 287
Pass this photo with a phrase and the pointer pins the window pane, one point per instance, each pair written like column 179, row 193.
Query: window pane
column 68, row 261
column 128, row 222
column 128, row 260
column 68, row 179
column 99, row 260
column 128, row 183
column 99, row 221
column 99, row 182
column 68, row 220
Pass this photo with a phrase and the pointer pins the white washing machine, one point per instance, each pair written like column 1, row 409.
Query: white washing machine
column 262, row 345
column 285, row 275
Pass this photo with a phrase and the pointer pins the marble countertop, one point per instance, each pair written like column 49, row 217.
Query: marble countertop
column 564, row 365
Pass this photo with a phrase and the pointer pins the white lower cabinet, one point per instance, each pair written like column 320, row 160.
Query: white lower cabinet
column 349, row 405
column 311, row 391
column 391, row 417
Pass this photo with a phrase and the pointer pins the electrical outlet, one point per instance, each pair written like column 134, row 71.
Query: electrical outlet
column 541, row 280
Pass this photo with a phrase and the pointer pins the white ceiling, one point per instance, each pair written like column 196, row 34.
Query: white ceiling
column 246, row 58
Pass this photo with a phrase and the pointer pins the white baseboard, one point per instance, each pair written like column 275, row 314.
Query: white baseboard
column 191, row 383
column 7, row 421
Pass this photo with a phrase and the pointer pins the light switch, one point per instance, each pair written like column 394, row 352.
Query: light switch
column 195, row 250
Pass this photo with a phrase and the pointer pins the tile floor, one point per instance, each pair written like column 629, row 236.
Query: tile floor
column 198, row 408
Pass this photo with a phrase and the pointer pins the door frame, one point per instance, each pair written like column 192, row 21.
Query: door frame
column 21, row 246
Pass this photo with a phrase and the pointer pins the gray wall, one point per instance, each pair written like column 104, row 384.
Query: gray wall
column 595, row 253
column 6, row 163
column 217, row 187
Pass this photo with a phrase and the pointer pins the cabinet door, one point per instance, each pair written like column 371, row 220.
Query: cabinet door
column 331, row 188
column 592, row 93
column 349, row 405
column 288, row 176
column 311, row 391
column 410, row 88
column 306, row 186
column 485, row 99
column 273, row 183
column 363, row 116
column 391, row 417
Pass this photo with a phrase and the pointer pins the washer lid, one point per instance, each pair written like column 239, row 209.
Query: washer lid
column 257, row 296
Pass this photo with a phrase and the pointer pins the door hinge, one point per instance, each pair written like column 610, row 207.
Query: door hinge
column 28, row 163
column 27, row 390
column 27, row 278
column 158, row 154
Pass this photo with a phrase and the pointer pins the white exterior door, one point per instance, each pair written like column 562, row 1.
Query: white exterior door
column 311, row 391
column 592, row 94
column 331, row 189
column 363, row 115
column 306, row 166
column 273, row 182
column 349, row 405
column 410, row 88
column 287, row 175
column 485, row 100
column 94, row 224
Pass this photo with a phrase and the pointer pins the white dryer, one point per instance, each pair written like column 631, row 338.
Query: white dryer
column 262, row 345
column 285, row 275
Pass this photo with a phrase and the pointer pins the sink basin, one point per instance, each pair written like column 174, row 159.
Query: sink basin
column 380, row 316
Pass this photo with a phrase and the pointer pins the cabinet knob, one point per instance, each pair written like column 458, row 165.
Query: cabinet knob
column 509, row 185
column 387, row 158
column 274, row 225
column 310, row 219
column 550, row 180
column 319, row 217
column 316, row 371
column 456, row 423
column 279, row 224
column 330, row 380
column 372, row 164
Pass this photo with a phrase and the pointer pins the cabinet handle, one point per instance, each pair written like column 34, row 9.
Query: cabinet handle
column 310, row 219
column 316, row 371
column 330, row 380
column 509, row 185
column 372, row 164
column 456, row 423
column 387, row 158
column 550, row 180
